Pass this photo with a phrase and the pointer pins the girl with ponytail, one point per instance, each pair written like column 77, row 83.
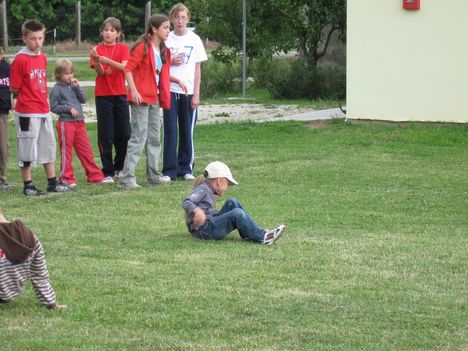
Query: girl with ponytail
column 148, row 78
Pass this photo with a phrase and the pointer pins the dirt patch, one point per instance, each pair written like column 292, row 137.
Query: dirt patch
column 320, row 123
column 208, row 114
column 245, row 112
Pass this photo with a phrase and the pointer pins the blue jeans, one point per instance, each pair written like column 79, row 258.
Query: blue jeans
column 231, row 216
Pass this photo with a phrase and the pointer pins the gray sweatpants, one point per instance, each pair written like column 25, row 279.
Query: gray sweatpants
column 145, row 124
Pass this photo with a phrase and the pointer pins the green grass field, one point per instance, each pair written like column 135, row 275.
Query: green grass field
column 374, row 256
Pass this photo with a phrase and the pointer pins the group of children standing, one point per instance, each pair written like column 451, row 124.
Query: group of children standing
column 161, row 70
column 151, row 85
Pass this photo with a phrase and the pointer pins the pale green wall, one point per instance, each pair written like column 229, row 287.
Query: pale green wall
column 407, row 65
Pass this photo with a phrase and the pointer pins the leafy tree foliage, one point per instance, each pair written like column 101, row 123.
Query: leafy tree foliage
column 61, row 14
column 274, row 25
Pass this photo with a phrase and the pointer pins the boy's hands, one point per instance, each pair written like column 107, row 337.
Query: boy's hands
column 74, row 82
column 199, row 217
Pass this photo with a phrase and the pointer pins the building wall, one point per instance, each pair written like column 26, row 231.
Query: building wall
column 407, row 65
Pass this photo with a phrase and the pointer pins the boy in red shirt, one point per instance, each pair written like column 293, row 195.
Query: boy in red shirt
column 35, row 137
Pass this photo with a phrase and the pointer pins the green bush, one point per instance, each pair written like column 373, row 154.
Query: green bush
column 261, row 69
column 295, row 79
column 283, row 77
column 220, row 78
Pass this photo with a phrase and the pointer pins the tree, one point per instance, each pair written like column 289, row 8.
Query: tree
column 61, row 14
column 274, row 25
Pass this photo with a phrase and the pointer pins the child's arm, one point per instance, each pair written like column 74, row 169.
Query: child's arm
column 56, row 105
column 119, row 65
column 196, row 88
column 40, row 278
column 199, row 216
column 94, row 62
column 190, row 205
column 180, row 83
column 100, row 59
column 78, row 91
column 136, row 97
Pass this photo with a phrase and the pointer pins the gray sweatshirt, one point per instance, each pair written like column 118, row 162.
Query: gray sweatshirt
column 201, row 196
column 63, row 97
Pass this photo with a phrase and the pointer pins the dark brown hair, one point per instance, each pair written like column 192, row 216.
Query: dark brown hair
column 155, row 21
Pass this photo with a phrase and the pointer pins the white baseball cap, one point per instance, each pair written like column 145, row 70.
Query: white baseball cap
column 218, row 169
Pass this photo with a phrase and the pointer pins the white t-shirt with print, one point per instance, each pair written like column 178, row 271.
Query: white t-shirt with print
column 191, row 48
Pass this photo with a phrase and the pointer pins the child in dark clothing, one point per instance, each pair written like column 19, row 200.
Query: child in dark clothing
column 66, row 98
column 5, row 107
column 205, row 222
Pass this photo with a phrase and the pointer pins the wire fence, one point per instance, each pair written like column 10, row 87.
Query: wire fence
column 61, row 23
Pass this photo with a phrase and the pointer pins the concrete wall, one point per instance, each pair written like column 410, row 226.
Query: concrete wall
column 407, row 65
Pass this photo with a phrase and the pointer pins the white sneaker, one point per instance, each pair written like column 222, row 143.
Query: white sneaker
column 6, row 186
column 272, row 235
column 107, row 180
column 164, row 180
column 128, row 186
column 188, row 177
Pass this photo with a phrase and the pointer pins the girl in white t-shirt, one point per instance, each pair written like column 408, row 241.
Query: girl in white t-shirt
column 187, row 53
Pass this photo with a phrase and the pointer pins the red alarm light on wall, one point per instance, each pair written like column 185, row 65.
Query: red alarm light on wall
column 411, row 4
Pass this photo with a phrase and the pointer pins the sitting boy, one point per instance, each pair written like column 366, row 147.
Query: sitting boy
column 21, row 259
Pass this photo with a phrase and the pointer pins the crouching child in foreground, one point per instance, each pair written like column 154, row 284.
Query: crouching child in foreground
column 21, row 259
column 204, row 221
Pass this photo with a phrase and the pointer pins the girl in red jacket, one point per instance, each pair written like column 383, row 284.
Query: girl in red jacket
column 148, row 78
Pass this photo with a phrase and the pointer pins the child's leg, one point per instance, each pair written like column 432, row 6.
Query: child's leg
column 27, row 130
column 26, row 173
column 3, row 146
column 227, row 221
column 66, row 136
column 105, row 127
column 85, row 153
column 122, row 130
column 187, row 118
column 46, row 146
column 136, row 144
column 170, row 138
column 229, row 205
column 153, row 144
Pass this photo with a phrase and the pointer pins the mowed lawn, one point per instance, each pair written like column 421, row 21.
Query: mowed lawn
column 374, row 256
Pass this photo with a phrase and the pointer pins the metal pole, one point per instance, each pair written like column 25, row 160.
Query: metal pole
column 55, row 38
column 5, row 27
column 78, row 24
column 244, row 47
column 147, row 12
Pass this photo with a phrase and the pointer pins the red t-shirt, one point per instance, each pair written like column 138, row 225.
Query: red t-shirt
column 113, row 83
column 28, row 75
